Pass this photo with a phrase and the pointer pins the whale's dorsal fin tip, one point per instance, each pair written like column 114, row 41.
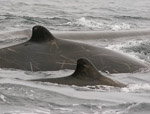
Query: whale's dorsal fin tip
column 41, row 34
column 85, row 67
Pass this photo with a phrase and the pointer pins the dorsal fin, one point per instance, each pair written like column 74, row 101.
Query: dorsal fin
column 41, row 34
column 85, row 74
column 86, row 69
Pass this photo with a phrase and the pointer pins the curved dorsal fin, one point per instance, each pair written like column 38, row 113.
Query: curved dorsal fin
column 86, row 69
column 85, row 74
column 89, row 75
column 41, row 34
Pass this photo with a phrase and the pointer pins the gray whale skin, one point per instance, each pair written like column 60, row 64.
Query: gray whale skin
column 44, row 52
column 86, row 74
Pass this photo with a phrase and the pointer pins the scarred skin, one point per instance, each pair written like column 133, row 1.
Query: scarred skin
column 44, row 52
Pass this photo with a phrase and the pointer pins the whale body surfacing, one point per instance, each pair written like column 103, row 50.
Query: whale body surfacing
column 86, row 74
column 44, row 52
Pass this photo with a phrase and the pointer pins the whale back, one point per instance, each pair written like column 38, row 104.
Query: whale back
column 44, row 52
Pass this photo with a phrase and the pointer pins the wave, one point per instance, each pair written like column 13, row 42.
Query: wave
column 61, row 22
column 122, row 26
column 133, row 88
column 138, row 108
column 28, row 21
column 88, row 23
column 132, row 17
column 128, row 108
column 22, row 96
column 98, row 24
column 134, row 47
column 141, row 48
column 99, row 18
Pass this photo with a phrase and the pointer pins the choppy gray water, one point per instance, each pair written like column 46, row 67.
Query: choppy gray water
column 18, row 96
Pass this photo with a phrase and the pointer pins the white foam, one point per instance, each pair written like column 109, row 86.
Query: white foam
column 136, row 88
column 122, row 26
column 129, row 43
column 3, row 98
column 96, row 24
column 89, row 23
column 119, row 48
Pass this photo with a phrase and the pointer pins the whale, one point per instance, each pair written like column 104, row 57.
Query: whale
column 102, row 35
column 44, row 52
column 81, row 35
column 85, row 74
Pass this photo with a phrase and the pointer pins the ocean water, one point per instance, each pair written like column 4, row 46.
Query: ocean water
column 19, row 96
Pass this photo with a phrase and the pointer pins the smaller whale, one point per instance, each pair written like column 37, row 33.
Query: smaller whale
column 86, row 74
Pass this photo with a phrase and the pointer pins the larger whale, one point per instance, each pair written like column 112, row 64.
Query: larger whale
column 43, row 52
